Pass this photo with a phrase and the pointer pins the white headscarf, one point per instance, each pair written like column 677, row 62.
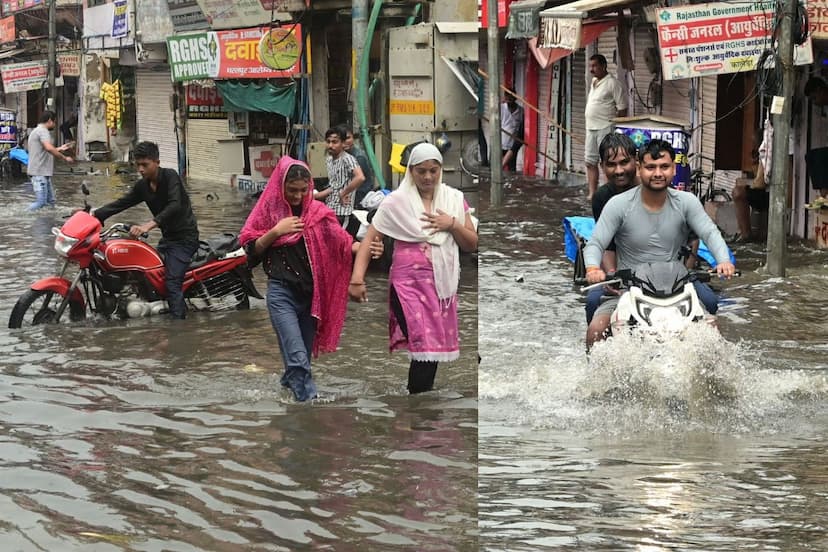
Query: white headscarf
column 399, row 216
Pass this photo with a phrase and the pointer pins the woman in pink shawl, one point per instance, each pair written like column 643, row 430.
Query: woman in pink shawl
column 429, row 222
column 307, row 257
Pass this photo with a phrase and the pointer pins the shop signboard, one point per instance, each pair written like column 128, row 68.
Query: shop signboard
column 226, row 55
column 11, row 6
column 204, row 102
column 186, row 15
column 263, row 160
column 818, row 19
column 221, row 14
column 69, row 64
column 643, row 129
column 716, row 38
column 21, row 77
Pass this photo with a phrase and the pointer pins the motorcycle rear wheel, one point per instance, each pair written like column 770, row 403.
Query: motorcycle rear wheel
column 37, row 307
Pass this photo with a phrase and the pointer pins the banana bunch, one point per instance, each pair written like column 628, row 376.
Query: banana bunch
column 112, row 94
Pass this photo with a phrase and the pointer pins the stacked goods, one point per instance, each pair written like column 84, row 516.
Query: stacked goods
column 112, row 94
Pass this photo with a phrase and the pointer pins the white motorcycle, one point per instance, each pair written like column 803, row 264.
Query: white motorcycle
column 659, row 297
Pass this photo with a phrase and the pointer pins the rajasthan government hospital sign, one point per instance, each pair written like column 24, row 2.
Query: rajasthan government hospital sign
column 710, row 39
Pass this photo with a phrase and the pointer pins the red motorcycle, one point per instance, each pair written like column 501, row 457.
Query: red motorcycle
column 123, row 276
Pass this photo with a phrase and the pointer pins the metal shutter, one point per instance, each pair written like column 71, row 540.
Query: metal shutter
column 544, row 98
column 707, row 140
column 578, row 122
column 155, row 121
column 202, row 149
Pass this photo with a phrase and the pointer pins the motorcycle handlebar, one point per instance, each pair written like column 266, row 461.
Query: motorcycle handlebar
column 626, row 276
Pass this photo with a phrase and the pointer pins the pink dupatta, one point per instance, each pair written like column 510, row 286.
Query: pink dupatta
column 329, row 251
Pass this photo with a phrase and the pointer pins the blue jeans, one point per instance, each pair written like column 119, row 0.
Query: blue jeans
column 706, row 295
column 177, row 256
column 44, row 192
column 295, row 327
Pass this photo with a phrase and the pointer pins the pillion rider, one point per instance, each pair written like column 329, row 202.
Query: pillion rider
column 649, row 223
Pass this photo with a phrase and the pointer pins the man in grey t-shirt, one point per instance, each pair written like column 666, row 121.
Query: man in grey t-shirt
column 41, row 161
column 649, row 223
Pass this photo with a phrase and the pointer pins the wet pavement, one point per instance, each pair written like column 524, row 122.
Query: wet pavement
column 715, row 443
column 151, row 435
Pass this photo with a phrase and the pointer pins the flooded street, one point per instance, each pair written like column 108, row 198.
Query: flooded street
column 711, row 443
column 146, row 434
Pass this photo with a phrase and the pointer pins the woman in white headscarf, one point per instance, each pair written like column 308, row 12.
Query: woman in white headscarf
column 429, row 222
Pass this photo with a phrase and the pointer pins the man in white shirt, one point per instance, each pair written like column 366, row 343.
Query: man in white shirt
column 606, row 100
column 511, row 135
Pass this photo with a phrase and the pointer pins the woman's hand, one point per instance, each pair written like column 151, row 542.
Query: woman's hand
column 289, row 225
column 440, row 222
column 358, row 292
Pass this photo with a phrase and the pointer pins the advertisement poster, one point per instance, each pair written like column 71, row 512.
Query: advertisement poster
column 8, row 127
column 11, row 6
column 120, row 19
column 186, row 15
column 225, row 55
column 718, row 38
column 7, row 32
column 204, row 102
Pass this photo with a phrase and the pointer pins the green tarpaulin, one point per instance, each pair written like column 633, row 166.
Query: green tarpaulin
column 258, row 96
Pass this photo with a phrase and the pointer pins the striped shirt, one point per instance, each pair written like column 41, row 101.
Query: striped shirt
column 340, row 173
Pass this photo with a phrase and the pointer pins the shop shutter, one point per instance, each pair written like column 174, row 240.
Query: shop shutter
column 154, row 120
column 707, row 141
column 202, row 149
column 554, row 136
column 607, row 45
column 544, row 97
column 578, row 123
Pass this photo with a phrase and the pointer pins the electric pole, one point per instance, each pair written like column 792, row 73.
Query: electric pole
column 781, row 110
column 493, row 104
column 50, row 102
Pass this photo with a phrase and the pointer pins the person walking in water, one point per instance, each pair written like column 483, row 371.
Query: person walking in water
column 307, row 256
column 42, row 155
column 430, row 223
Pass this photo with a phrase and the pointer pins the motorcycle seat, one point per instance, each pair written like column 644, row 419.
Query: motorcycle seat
column 213, row 249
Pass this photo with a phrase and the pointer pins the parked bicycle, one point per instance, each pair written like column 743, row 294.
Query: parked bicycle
column 703, row 184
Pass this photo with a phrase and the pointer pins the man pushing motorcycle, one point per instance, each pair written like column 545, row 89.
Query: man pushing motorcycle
column 163, row 192
column 649, row 223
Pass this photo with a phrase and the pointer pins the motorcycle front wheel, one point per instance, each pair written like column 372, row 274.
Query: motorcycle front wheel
column 37, row 307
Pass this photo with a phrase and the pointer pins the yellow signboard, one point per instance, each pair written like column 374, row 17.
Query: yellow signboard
column 279, row 48
column 411, row 107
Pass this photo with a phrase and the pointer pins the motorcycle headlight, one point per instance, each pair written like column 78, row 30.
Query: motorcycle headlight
column 64, row 243
column 644, row 310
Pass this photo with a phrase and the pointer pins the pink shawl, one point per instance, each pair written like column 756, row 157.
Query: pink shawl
column 329, row 251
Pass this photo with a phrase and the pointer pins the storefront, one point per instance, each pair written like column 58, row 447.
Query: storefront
column 239, row 123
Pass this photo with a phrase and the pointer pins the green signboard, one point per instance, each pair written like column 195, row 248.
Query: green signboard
column 188, row 56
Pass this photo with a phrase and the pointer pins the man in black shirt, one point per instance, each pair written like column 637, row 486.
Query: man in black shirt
column 618, row 161
column 164, row 194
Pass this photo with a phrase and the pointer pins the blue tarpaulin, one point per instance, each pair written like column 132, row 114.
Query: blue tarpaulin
column 576, row 228
column 19, row 154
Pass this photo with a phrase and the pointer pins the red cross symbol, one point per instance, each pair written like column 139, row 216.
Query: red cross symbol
column 670, row 55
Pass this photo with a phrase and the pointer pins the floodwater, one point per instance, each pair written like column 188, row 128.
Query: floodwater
column 151, row 435
column 712, row 443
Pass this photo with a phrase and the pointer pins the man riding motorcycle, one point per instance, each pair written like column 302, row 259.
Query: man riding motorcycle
column 649, row 223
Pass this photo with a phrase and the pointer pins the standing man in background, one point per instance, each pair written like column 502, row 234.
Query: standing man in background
column 42, row 154
column 364, row 164
column 606, row 100
column 511, row 121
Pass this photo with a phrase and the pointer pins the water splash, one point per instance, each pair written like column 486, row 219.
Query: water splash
column 641, row 382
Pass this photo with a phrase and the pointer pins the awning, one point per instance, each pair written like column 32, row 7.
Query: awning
column 466, row 72
column 523, row 18
column 258, row 96
column 588, row 33
column 561, row 26
column 11, row 53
